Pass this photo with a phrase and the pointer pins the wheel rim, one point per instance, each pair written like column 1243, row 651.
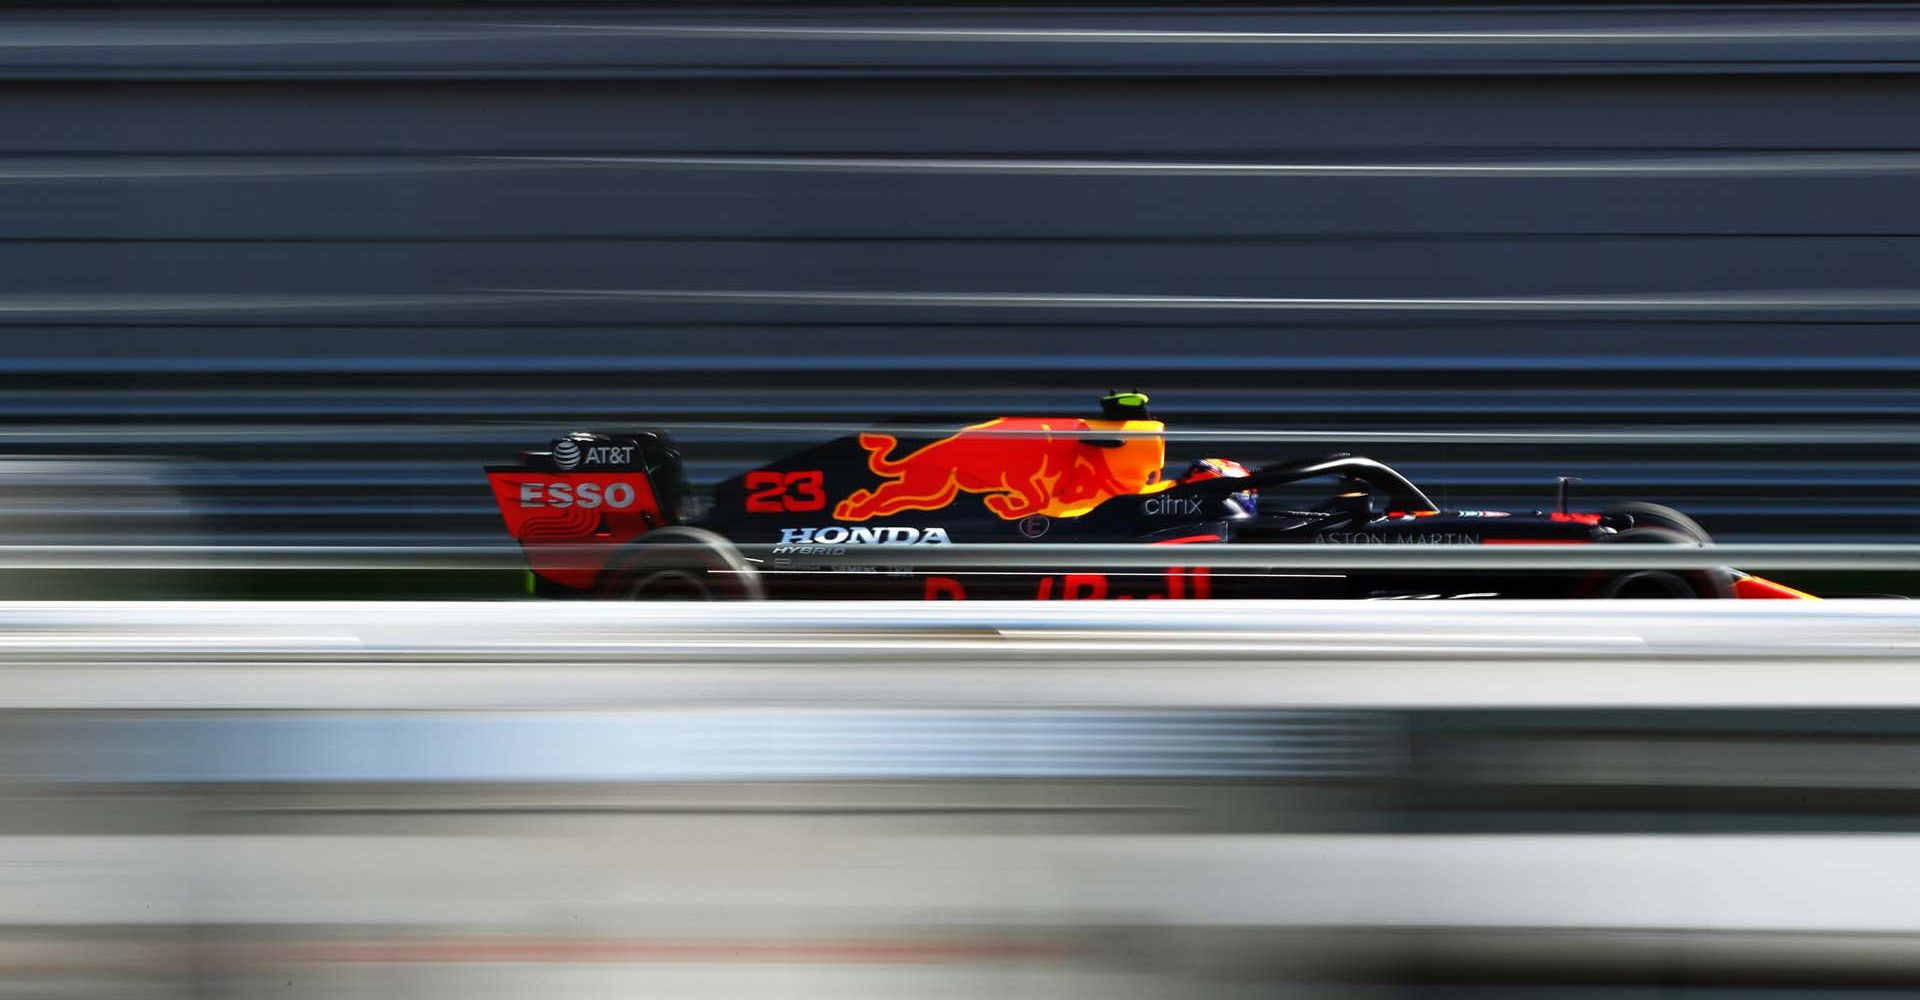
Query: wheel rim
column 1650, row 585
column 672, row 585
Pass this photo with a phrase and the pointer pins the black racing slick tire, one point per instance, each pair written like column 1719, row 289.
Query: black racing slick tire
column 1645, row 584
column 1653, row 515
column 682, row 564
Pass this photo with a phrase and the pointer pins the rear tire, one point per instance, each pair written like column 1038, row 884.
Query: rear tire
column 682, row 564
column 1658, row 584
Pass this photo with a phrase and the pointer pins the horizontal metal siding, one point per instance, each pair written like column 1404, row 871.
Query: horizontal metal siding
column 334, row 261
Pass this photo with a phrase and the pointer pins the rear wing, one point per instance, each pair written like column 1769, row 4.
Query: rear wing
column 575, row 505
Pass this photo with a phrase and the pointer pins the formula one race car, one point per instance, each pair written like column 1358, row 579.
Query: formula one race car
column 610, row 515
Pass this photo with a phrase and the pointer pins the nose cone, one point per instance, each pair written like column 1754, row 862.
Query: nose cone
column 1761, row 588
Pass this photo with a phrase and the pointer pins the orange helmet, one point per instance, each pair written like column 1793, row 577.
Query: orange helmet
column 1203, row 469
column 1214, row 468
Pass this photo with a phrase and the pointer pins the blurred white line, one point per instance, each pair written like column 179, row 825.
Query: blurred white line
column 165, row 167
column 127, row 302
column 1036, row 557
column 307, row 34
column 1711, row 164
column 510, row 433
column 1816, row 299
column 1252, row 654
column 1827, row 883
column 168, row 168
column 961, row 677
column 1800, row 433
column 1798, row 32
column 1043, row 557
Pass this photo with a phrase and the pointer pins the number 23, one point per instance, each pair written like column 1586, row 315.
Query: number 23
column 770, row 492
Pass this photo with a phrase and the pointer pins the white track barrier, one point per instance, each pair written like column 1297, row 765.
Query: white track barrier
column 1243, row 654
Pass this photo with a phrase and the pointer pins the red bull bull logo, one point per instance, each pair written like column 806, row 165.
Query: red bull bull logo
column 1022, row 466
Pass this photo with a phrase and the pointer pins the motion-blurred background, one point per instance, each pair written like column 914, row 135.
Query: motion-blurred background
column 291, row 275
column 330, row 261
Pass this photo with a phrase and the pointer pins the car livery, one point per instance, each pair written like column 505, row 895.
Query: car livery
column 610, row 515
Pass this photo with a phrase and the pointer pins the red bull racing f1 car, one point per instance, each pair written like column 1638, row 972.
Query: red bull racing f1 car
column 610, row 515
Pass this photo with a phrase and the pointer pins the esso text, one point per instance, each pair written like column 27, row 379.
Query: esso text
column 586, row 496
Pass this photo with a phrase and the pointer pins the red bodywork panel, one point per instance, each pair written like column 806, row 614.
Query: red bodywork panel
column 571, row 523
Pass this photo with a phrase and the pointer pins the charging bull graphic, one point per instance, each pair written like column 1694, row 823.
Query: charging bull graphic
column 1057, row 466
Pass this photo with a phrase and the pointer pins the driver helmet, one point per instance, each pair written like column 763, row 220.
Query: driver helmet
column 1204, row 469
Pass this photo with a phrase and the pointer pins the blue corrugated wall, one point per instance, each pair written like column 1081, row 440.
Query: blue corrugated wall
column 335, row 260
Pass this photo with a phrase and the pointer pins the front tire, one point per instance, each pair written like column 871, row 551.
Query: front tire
column 1653, row 515
column 1657, row 584
column 682, row 564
